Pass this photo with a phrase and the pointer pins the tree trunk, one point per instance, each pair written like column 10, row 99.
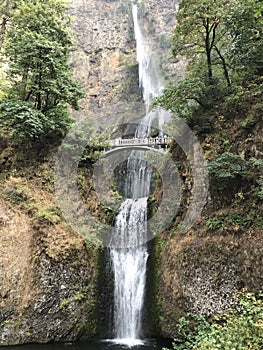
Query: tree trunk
column 3, row 30
column 208, row 50
column 224, row 66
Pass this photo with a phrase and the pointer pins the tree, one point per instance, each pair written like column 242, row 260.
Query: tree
column 6, row 11
column 37, row 45
column 200, row 32
column 216, row 36
column 244, row 23
column 37, row 48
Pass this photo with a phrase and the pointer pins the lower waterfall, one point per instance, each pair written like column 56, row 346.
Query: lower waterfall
column 129, row 267
column 128, row 255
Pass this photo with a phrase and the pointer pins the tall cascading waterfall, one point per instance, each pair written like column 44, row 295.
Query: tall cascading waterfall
column 149, row 80
column 128, row 253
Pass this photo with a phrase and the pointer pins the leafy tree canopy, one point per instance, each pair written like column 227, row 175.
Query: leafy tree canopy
column 37, row 48
column 222, row 43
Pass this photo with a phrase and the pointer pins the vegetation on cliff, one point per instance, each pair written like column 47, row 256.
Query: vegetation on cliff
column 37, row 85
column 239, row 328
column 221, row 98
column 55, row 276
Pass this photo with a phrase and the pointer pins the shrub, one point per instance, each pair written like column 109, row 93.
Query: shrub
column 20, row 120
column 228, row 166
column 230, row 220
column 241, row 328
column 48, row 215
column 23, row 124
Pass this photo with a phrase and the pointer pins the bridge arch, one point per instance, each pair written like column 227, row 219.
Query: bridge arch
column 133, row 147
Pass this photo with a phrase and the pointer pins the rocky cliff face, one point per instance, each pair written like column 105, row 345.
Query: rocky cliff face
column 104, row 59
column 48, row 282
column 105, row 56
column 200, row 275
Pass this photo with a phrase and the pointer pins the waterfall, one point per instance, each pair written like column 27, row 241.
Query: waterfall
column 149, row 76
column 150, row 82
column 129, row 258
column 128, row 254
column 129, row 267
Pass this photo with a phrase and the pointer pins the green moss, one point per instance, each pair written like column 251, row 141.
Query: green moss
column 49, row 215
column 64, row 303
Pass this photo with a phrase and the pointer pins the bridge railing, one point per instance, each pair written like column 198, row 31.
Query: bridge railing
column 139, row 141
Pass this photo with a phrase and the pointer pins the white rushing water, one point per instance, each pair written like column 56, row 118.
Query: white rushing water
column 128, row 254
column 129, row 267
column 149, row 76
column 149, row 80
column 129, row 258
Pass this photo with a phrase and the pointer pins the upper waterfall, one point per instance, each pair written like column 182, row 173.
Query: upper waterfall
column 150, row 81
column 149, row 75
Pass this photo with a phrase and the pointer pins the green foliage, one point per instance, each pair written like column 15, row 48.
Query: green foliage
column 222, row 42
column 215, row 223
column 244, row 23
column 190, row 99
column 232, row 221
column 81, row 146
column 37, row 48
column 84, row 294
column 18, row 120
column 228, row 166
column 256, row 172
column 240, row 328
column 7, row 8
column 183, row 98
column 49, row 215
column 199, row 34
column 190, row 329
column 248, row 122
column 225, row 33
column 64, row 303
column 257, row 189
column 245, row 99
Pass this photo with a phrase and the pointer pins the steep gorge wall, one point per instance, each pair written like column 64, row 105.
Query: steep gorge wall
column 49, row 281
column 104, row 59
column 105, row 56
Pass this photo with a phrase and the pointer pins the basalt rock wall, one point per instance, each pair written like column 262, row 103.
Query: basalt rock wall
column 104, row 56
